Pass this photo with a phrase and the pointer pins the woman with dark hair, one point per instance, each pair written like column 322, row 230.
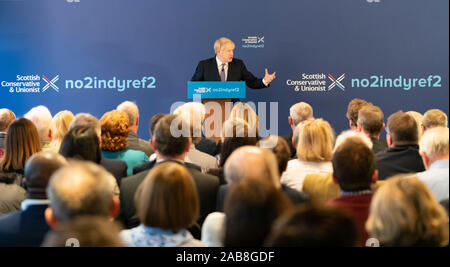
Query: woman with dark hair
column 81, row 143
column 22, row 141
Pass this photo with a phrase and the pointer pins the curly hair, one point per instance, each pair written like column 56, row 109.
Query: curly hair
column 114, row 130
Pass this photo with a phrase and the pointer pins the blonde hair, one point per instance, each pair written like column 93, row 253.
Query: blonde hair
column 245, row 112
column 404, row 212
column 221, row 42
column 315, row 141
column 194, row 114
column 60, row 126
column 433, row 118
column 418, row 118
column 114, row 130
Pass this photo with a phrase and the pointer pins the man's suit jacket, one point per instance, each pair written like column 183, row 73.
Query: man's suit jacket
column 208, row 146
column 24, row 228
column 207, row 186
column 398, row 160
column 116, row 167
column 207, row 71
column 135, row 143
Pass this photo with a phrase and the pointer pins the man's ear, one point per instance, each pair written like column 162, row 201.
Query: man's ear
column 152, row 143
column 115, row 207
column 334, row 178
column 50, row 219
column 389, row 140
column 290, row 121
column 137, row 121
column 189, row 145
column 375, row 177
column 358, row 127
column 50, row 134
column 425, row 158
column 350, row 125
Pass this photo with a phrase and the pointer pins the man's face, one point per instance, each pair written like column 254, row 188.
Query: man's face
column 226, row 53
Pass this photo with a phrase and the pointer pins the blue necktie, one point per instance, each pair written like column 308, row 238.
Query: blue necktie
column 222, row 73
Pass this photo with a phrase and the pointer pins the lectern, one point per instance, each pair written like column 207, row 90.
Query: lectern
column 217, row 98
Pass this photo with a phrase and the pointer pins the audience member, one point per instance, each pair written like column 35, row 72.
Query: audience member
column 27, row 228
column 298, row 113
column 353, row 110
column 314, row 152
column 42, row 118
column 114, row 140
column 59, row 127
column 371, row 123
column 434, row 149
column 434, row 118
column 313, row 226
column 418, row 117
column 213, row 230
column 405, row 213
column 245, row 112
column 6, row 118
column 167, row 204
column 134, row 142
column 402, row 156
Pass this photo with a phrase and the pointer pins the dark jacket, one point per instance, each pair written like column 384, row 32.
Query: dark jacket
column 398, row 160
column 208, row 146
column 378, row 145
column 207, row 186
column 288, row 139
column 116, row 167
column 135, row 143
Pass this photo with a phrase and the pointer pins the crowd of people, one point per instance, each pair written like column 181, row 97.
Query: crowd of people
column 76, row 177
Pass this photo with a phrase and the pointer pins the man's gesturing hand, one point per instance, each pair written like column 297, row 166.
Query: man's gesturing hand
column 268, row 78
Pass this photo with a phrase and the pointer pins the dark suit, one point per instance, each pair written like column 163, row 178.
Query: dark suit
column 207, row 186
column 207, row 70
column 24, row 228
column 378, row 145
column 208, row 146
column 116, row 167
column 135, row 143
column 398, row 160
column 148, row 165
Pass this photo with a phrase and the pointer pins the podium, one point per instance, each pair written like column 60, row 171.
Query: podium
column 218, row 100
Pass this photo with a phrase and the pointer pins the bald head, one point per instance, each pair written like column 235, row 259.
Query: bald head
column 249, row 162
column 6, row 118
column 38, row 170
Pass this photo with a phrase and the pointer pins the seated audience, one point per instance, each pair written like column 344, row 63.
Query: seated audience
column 114, row 140
column 404, row 212
column 22, row 141
column 251, row 207
column 42, row 118
column 353, row 110
column 298, row 113
column 245, row 112
column 59, row 127
column 6, row 118
column 167, row 204
column 371, row 123
column 314, row 152
column 89, row 231
column 434, row 118
column 418, row 117
column 134, row 142
column 434, row 149
column 312, row 226
column 27, row 227
column 402, row 156
column 213, row 230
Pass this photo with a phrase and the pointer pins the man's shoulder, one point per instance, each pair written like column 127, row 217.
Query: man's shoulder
column 207, row 61
column 203, row 177
column 133, row 181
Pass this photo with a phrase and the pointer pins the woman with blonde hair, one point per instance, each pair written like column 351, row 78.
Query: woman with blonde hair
column 404, row 212
column 245, row 112
column 167, row 205
column 114, row 144
column 22, row 141
column 59, row 127
column 314, row 153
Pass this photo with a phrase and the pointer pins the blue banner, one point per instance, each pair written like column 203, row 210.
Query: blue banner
column 216, row 90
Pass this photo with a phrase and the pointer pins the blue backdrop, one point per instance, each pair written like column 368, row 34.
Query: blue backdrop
column 103, row 39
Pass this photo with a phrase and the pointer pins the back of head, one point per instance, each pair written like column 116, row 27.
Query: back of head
column 404, row 212
column 251, row 206
column 60, row 125
column 132, row 111
column 38, row 170
column 82, row 188
column 154, row 120
column 194, row 114
column 418, row 117
column 86, row 120
column 171, row 136
column 435, row 143
column 434, row 118
column 371, row 119
column 250, row 162
column 82, row 143
column 6, row 118
column 353, row 165
column 280, row 149
column 114, row 130
column 167, row 198
column 213, row 230
column 88, row 231
column 42, row 118
column 307, row 226
column 402, row 128
column 22, row 141
column 300, row 112
column 245, row 112
column 315, row 141
column 353, row 109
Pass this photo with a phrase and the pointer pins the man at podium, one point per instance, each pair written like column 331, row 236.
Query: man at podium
column 223, row 67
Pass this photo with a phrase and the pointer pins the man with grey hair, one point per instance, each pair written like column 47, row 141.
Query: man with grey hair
column 434, row 149
column 81, row 188
column 115, row 166
column 42, row 118
column 298, row 113
column 134, row 142
column 6, row 118
column 434, row 118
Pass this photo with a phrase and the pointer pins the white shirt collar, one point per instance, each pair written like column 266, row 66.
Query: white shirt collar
column 219, row 62
column 29, row 202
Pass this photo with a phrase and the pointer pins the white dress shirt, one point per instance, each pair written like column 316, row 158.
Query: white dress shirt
column 219, row 67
